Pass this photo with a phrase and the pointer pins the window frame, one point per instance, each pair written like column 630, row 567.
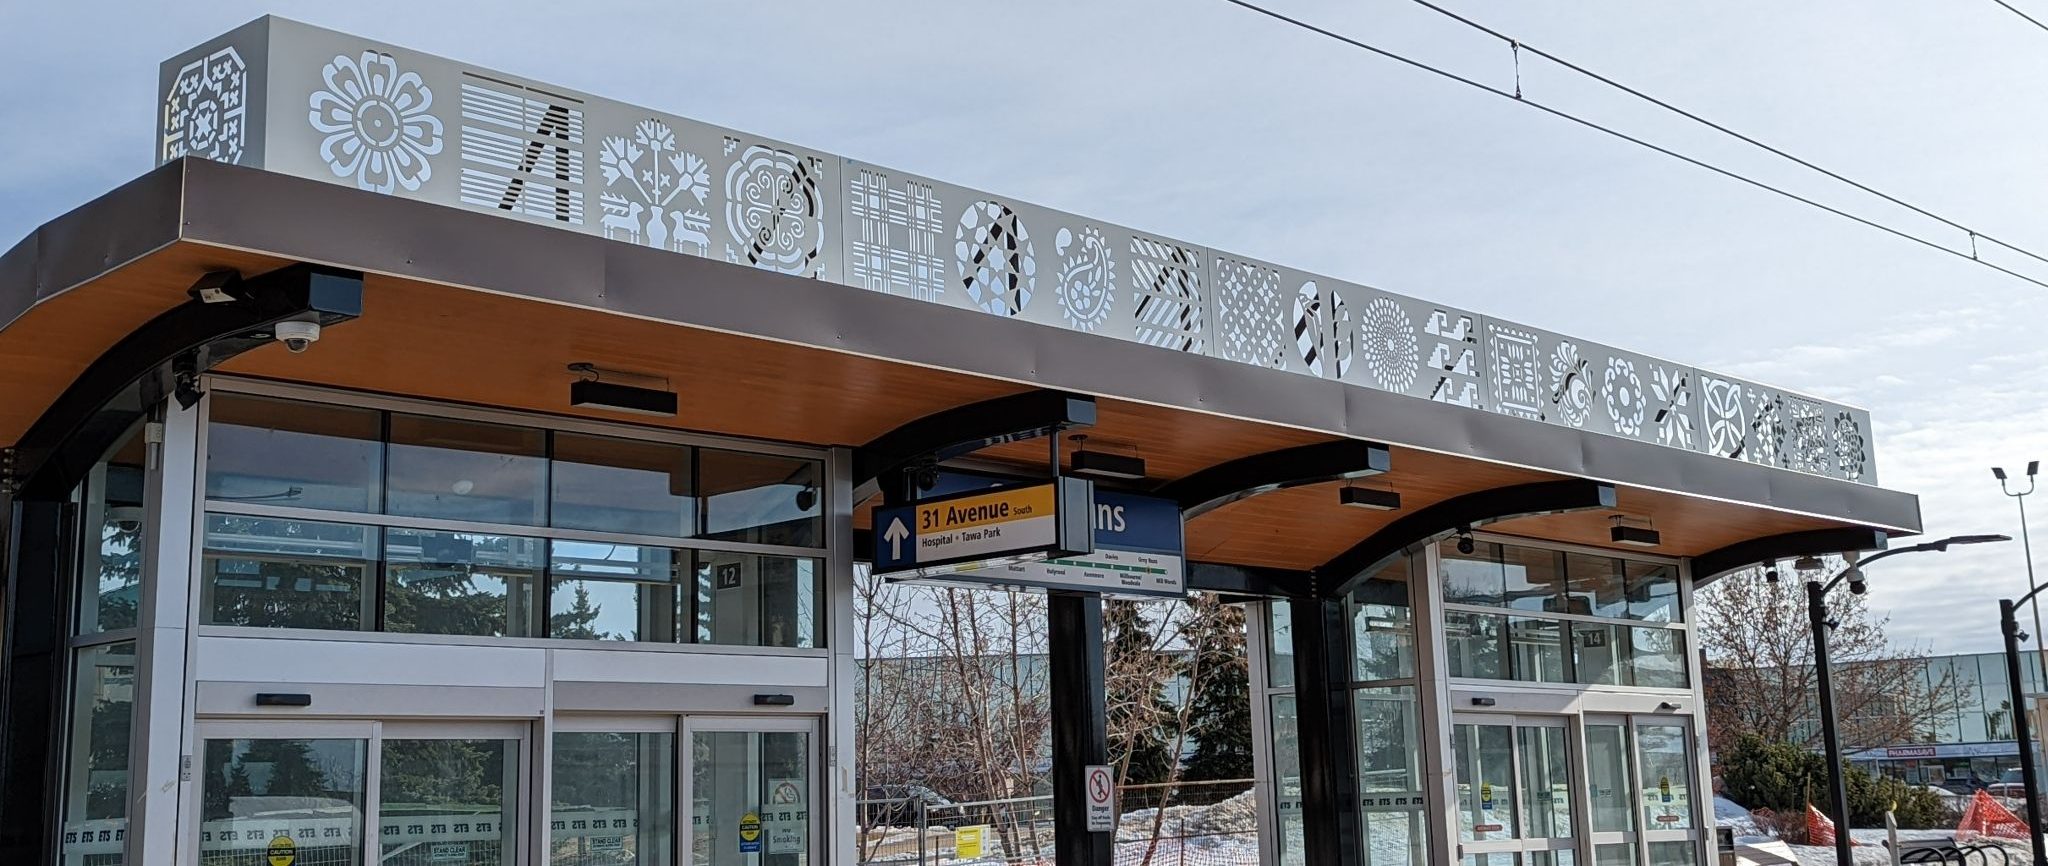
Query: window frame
column 549, row 425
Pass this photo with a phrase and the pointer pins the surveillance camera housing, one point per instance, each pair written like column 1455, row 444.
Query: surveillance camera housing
column 298, row 336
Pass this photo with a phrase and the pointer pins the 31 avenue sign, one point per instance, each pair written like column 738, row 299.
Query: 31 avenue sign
column 984, row 529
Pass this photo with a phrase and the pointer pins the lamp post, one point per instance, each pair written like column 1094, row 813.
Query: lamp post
column 1831, row 738
column 2009, row 625
column 2027, row 549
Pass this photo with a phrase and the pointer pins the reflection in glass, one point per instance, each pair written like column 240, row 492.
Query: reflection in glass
column 760, row 498
column 460, row 583
column 110, row 559
column 1559, row 857
column 1473, row 578
column 1280, row 650
column 735, row 774
column 1474, row 645
column 466, row 470
column 601, row 591
column 286, row 452
column 1546, row 783
column 248, row 787
column 1390, row 776
column 1607, row 769
column 1672, row 854
column 1600, row 653
column 1596, row 585
column 279, row 573
column 1534, row 578
column 1539, row 655
column 1659, row 658
column 1483, row 756
column 621, row 485
column 613, row 797
column 1661, row 751
column 1287, row 774
column 96, row 763
column 1615, row 855
column 454, row 799
column 1652, row 591
column 1497, row 858
column 756, row 600
column 1383, row 626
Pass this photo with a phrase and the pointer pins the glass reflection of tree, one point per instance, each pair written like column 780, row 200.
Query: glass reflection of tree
column 578, row 621
column 113, row 709
column 441, row 592
column 282, row 591
column 120, row 574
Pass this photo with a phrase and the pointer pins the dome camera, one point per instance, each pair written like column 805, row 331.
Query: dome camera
column 296, row 336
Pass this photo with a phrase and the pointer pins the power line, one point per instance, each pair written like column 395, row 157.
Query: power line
column 1610, row 131
column 2015, row 10
column 1520, row 46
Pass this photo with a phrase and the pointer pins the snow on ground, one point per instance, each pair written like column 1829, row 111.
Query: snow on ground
column 1869, row 849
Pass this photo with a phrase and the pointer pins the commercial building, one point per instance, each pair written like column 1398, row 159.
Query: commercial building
column 1973, row 745
column 542, row 551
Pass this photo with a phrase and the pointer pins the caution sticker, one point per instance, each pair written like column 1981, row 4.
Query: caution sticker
column 750, row 833
column 282, row 851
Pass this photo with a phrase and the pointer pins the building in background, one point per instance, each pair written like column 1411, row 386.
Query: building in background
column 1972, row 747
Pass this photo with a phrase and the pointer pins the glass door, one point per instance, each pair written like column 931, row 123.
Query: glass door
column 304, row 793
column 750, row 784
column 1666, row 790
column 1610, row 782
column 1515, row 790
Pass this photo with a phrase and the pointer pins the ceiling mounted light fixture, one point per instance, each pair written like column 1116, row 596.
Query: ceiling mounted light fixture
column 591, row 391
column 1370, row 498
column 1623, row 532
column 1102, row 464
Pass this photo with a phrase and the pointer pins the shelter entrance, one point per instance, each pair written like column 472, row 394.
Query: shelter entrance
column 1561, row 790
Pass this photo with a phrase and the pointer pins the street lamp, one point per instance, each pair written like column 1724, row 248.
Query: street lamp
column 2009, row 625
column 1817, row 615
column 2027, row 548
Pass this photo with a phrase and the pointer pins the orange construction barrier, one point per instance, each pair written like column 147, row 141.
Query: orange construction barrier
column 1985, row 816
column 1819, row 829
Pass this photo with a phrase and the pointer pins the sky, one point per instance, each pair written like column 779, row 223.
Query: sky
column 1200, row 120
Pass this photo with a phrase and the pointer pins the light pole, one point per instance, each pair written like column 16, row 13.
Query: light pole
column 2027, row 549
column 1831, row 738
column 2009, row 626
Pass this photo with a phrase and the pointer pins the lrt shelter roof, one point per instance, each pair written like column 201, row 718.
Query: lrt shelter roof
column 798, row 296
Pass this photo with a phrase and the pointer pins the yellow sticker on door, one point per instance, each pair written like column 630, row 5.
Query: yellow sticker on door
column 750, row 833
column 282, row 851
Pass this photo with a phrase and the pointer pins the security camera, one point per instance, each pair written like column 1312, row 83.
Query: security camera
column 1465, row 544
column 806, row 499
column 127, row 518
column 296, row 336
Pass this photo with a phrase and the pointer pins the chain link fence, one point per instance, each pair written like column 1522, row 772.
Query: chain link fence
column 1179, row 824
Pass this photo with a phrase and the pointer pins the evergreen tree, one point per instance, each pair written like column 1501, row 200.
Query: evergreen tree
column 1220, row 716
column 1136, row 674
column 577, row 622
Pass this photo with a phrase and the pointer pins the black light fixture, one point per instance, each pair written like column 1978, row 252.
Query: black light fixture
column 1483, row 702
column 1102, row 464
column 1807, row 563
column 1371, row 498
column 1623, row 532
column 592, row 392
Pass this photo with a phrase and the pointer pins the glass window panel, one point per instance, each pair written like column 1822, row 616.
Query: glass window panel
column 1659, row 659
column 1600, row 653
column 1597, row 586
column 287, row 452
column 1393, row 837
column 248, row 786
column 1483, row 756
column 1538, row 650
column 739, row 774
column 1473, row 578
column 760, row 498
column 455, row 801
column 1652, row 591
column 754, row 600
column 1280, row 659
column 1390, row 776
column 1287, row 775
column 1663, row 753
column 1672, row 854
column 1546, row 783
column 460, row 583
column 1622, row 854
column 601, row 591
column 278, row 573
column 96, row 765
column 466, row 470
column 1474, row 644
column 1534, row 578
column 1383, row 626
column 1560, row 857
column 613, row 798
column 110, row 559
column 621, row 485
column 1607, row 772
column 1498, row 858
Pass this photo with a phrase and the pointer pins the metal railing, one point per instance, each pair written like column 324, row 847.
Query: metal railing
column 1176, row 824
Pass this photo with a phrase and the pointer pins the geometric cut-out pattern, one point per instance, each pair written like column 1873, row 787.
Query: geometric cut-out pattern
column 1454, row 358
column 773, row 209
column 895, row 236
column 1248, row 323
column 1167, row 288
column 1517, row 372
column 521, row 154
column 994, row 258
column 206, row 111
column 655, row 192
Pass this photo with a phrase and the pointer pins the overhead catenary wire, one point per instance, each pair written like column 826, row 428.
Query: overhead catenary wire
column 1520, row 46
column 2016, row 11
column 1524, row 99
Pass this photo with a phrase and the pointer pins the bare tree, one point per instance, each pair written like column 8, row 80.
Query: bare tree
column 1760, row 676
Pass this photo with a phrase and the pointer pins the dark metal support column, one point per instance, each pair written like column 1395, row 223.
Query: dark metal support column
column 1830, row 727
column 34, row 671
column 1326, row 730
column 1080, row 724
